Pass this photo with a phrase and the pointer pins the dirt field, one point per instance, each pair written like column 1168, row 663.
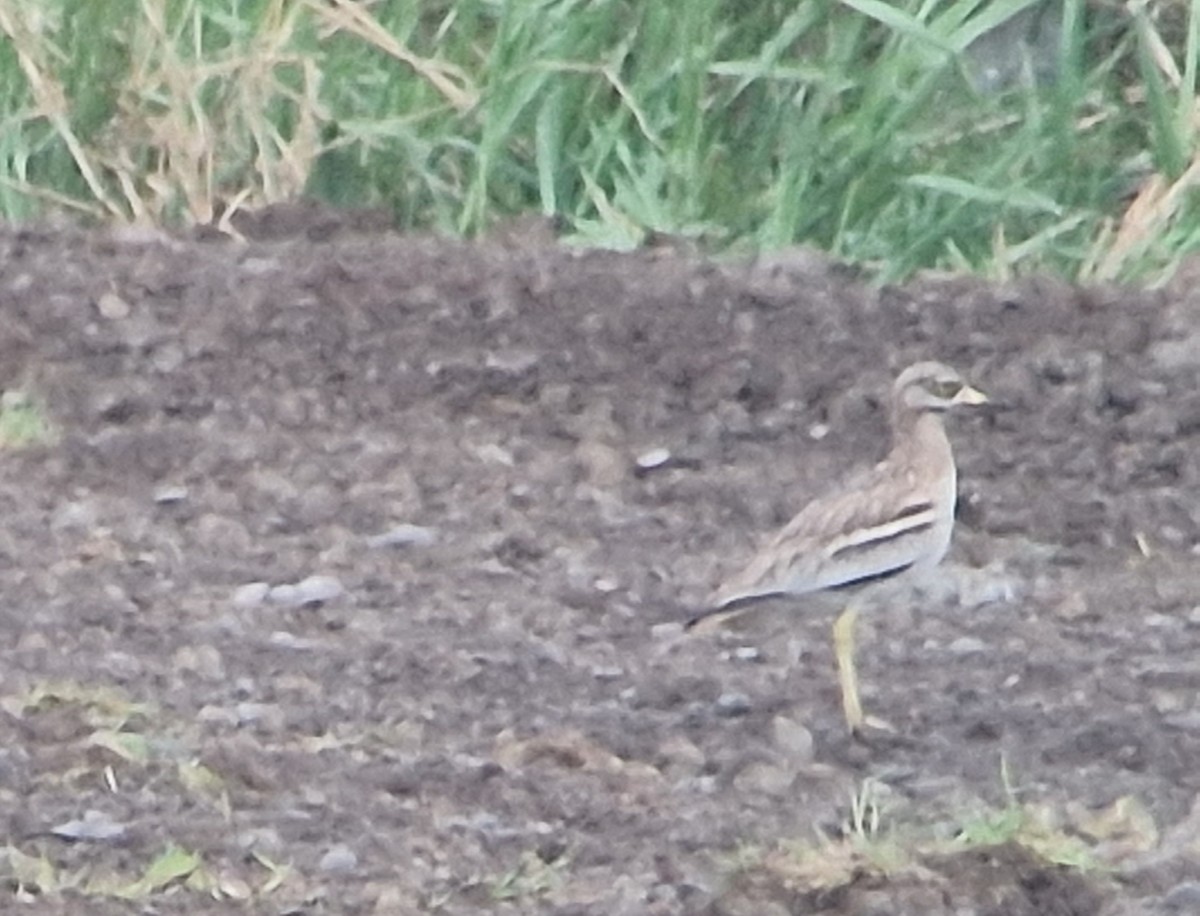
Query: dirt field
column 340, row 579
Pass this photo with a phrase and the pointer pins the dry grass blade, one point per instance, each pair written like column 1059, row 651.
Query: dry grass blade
column 1155, row 205
column 449, row 80
column 199, row 129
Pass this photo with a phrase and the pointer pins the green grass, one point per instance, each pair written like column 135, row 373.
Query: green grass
column 852, row 125
column 883, row 838
column 22, row 421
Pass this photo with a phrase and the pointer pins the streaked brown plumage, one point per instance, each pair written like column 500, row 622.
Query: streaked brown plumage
column 892, row 521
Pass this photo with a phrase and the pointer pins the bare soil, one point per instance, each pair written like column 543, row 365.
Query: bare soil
column 485, row 704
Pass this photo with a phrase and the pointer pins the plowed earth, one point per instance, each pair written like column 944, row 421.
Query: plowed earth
column 482, row 702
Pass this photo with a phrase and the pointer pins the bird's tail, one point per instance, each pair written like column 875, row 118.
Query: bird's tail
column 712, row 618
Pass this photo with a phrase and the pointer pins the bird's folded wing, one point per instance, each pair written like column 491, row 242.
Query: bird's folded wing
column 861, row 533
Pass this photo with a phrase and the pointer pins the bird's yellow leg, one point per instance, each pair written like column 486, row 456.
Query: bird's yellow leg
column 843, row 648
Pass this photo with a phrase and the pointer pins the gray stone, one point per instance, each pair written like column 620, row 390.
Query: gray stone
column 793, row 739
column 732, row 704
column 250, row 595
column 404, row 536
column 93, row 826
column 338, row 860
column 313, row 590
column 654, row 458
column 967, row 645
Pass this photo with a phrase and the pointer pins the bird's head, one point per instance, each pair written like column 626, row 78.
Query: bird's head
column 932, row 386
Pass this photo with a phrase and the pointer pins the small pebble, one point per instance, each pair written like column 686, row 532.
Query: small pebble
column 339, row 860
column 681, row 755
column 733, row 704
column 986, row 589
column 967, row 645
column 764, row 778
column 259, row 267
column 793, row 739
column 250, row 595
column 94, row 825
column 655, row 458
column 404, row 536
column 263, row 839
column 217, row 715
column 285, row 640
column 234, row 888
column 1073, row 606
column 313, row 590
column 512, row 362
column 706, row 785
column 167, row 495
column 491, row 453
column 203, row 660
column 1161, row 621
column 268, row 714
column 112, row 307
column 1185, row 721
column 77, row 515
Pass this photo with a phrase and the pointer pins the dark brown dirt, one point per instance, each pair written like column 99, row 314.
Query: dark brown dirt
column 496, row 713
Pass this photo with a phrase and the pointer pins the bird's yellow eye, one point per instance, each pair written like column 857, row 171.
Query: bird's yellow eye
column 944, row 389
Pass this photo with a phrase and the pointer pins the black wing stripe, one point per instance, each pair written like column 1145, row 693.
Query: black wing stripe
column 869, row 579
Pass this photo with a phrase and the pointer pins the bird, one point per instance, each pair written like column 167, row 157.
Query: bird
column 888, row 525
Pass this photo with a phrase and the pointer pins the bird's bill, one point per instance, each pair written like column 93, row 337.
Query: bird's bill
column 971, row 397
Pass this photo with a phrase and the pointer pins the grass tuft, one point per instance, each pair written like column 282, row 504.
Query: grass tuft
column 877, row 841
column 1002, row 137
column 22, row 421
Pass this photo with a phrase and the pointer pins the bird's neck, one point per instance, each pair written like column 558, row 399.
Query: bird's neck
column 922, row 433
